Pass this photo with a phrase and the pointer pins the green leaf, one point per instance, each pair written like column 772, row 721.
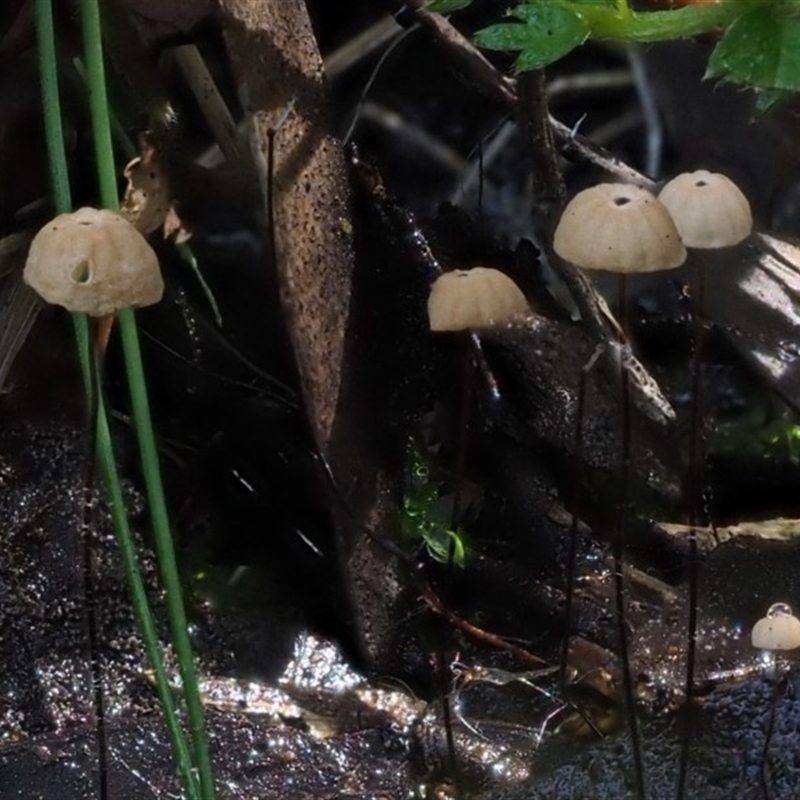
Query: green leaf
column 548, row 33
column 447, row 6
column 767, row 100
column 761, row 48
column 439, row 543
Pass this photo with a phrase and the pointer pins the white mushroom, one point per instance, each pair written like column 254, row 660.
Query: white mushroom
column 469, row 299
column 709, row 209
column 619, row 228
column 778, row 630
column 95, row 262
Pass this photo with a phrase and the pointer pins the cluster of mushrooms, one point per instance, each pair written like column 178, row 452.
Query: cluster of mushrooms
column 614, row 227
column 623, row 229
column 96, row 262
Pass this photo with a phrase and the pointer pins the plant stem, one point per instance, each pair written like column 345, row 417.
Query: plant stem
column 98, row 104
column 56, row 155
column 162, row 535
column 654, row 26
column 144, row 617
column 63, row 203
column 51, row 103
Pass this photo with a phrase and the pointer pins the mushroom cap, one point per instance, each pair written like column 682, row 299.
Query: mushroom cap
column 618, row 228
column 95, row 262
column 779, row 630
column 709, row 209
column 473, row 298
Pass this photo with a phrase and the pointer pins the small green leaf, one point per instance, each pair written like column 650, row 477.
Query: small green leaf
column 439, row 543
column 447, row 6
column 761, row 48
column 767, row 100
column 548, row 33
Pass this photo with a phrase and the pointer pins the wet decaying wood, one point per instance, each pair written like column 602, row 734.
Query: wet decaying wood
column 754, row 297
column 776, row 532
column 302, row 175
column 336, row 326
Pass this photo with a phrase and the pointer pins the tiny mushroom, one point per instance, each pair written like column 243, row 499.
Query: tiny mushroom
column 708, row 208
column 619, row 228
column 466, row 299
column 95, row 262
column 778, row 630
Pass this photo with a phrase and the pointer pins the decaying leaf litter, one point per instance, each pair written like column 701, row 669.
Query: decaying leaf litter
column 350, row 281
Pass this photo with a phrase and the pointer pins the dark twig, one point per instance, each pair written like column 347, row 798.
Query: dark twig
column 465, row 56
column 435, row 605
column 532, row 116
column 575, row 145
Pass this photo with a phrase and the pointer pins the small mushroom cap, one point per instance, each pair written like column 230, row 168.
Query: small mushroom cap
column 95, row 262
column 779, row 630
column 709, row 209
column 618, row 228
column 473, row 298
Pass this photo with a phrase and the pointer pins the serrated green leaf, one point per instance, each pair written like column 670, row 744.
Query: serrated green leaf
column 448, row 6
column 761, row 48
column 548, row 33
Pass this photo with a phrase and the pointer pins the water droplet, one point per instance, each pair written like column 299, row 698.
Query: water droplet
column 779, row 610
column 788, row 351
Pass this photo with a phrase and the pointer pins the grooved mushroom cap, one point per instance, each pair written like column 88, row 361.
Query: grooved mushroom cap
column 95, row 262
column 779, row 630
column 709, row 209
column 618, row 228
column 473, row 298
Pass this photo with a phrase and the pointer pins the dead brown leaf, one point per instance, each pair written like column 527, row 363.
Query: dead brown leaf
column 147, row 203
column 147, row 196
column 174, row 227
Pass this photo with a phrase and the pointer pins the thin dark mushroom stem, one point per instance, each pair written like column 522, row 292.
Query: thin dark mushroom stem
column 467, row 380
column 618, row 547
column 695, row 489
column 100, row 330
column 766, row 789
column 442, row 660
column 580, row 413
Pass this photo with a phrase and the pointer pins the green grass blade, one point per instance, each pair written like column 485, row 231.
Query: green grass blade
column 148, row 454
column 63, row 204
column 141, row 606
column 51, row 104
column 98, row 105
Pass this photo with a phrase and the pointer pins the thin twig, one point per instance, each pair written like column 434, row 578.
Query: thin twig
column 215, row 110
column 471, row 63
column 532, row 116
column 435, row 605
